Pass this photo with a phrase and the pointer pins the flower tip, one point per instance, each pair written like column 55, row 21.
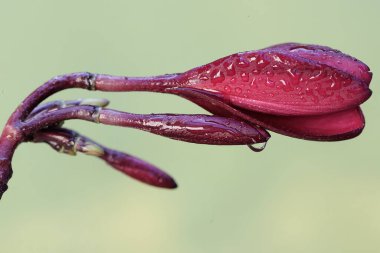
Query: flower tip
column 168, row 183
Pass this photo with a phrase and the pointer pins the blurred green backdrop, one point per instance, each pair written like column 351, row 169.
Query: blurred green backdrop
column 296, row 196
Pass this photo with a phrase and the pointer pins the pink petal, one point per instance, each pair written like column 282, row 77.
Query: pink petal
column 279, row 83
column 326, row 55
column 330, row 127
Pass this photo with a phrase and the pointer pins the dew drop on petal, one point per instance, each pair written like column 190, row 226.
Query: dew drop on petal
column 270, row 73
column 217, row 76
column 203, row 77
column 242, row 63
column 244, row 77
column 269, row 83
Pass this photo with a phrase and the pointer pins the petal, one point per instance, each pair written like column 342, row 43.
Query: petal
column 330, row 127
column 331, row 57
column 280, row 83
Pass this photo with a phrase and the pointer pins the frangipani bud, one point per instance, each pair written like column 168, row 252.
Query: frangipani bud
column 71, row 142
column 201, row 129
column 287, row 79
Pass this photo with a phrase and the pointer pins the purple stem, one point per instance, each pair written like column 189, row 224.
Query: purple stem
column 93, row 82
column 13, row 133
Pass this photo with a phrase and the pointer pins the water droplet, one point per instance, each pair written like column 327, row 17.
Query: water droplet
column 203, row 77
column 244, row 77
column 238, row 90
column 230, row 68
column 242, row 63
column 284, row 85
column 270, row 73
column 253, row 83
column 269, row 83
column 227, row 89
column 277, row 58
column 217, row 76
column 233, row 80
column 257, row 147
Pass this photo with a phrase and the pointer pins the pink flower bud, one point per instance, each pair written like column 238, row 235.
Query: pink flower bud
column 304, row 91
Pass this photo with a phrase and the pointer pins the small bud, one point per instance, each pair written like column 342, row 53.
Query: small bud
column 71, row 142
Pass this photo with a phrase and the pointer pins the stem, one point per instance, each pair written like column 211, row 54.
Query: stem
column 75, row 80
column 93, row 82
column 122, row 83
column 16, row 127
column 9, row 140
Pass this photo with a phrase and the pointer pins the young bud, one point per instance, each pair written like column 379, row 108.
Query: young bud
column 71, row 142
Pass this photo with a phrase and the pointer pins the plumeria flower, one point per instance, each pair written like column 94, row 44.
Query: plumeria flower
column 304, row 91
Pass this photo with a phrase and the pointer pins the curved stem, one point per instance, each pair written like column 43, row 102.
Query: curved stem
column 9, row 140
column 75, row 80
column 16, row 127
column 93, row 82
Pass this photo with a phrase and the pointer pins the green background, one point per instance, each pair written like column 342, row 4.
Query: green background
column 296, row 196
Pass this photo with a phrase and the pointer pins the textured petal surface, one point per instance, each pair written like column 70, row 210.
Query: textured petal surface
column 329, row 127
column 279, row 82
column 329, row 56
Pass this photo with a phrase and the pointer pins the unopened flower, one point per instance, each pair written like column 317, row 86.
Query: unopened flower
column 304, row 91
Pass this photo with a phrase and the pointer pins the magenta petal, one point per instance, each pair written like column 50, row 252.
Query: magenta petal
column 330, row 127
column 279, row 83
column 331, row 57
